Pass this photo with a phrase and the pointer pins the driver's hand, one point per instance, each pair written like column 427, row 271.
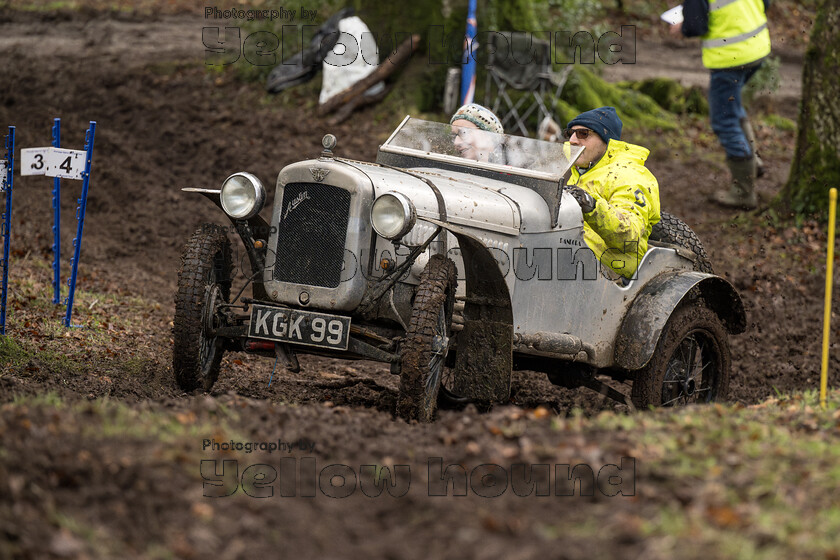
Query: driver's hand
column 587, row 203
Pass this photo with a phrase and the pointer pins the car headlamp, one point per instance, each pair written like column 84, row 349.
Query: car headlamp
column 243, row 196
column 393, row 215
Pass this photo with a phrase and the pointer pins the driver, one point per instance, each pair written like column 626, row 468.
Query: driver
column 469, row 124
column 618, row 195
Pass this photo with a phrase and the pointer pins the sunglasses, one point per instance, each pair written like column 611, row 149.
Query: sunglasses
column 582, row 133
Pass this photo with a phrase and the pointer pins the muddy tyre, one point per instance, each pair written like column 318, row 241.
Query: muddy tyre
column 691, row 362
column 671, row 229
column 427, row 342
column 204, row 281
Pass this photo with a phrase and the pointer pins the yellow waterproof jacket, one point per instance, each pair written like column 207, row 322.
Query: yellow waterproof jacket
column 626, row 206
column 737, row 34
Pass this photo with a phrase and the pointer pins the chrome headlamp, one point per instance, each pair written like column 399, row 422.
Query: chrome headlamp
column 243, row 196
column 393, row 215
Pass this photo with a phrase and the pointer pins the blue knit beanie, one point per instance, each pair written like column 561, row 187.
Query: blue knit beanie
column 603, row 121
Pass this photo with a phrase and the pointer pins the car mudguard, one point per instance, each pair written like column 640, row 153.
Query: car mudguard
column 254, row 228
column 643, row 324
column 484, row 358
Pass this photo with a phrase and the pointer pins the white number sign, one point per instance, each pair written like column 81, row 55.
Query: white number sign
column 2, row 175
column 67, row 164
column 33, row 161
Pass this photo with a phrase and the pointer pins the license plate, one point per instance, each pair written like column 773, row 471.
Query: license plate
column 299, row 327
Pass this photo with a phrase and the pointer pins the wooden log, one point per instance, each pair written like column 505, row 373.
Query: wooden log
column 385, row 69
column 358, row 101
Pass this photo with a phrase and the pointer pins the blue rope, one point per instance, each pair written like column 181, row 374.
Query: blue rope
column 272, row 373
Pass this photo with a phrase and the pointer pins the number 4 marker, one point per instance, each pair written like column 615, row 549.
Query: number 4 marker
column 67, row 164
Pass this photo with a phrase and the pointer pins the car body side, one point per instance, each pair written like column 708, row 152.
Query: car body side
column 561, row 305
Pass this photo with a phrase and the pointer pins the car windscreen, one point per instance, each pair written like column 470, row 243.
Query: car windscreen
column 473, row 147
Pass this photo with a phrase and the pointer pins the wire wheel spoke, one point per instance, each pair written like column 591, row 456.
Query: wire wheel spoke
column 686, row 378
column 207, row 267
column 427, row 344
column 440, row 347
column 691, row 363
column 210, row 343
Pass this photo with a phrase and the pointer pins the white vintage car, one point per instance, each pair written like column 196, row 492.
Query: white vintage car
column 454, row 267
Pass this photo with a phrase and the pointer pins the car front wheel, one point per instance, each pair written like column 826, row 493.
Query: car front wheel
column 691, row 363
column 204, row 281
column 427, row 342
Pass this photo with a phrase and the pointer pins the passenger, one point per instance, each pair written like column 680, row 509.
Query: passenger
column 470, row 143
column 618, row 195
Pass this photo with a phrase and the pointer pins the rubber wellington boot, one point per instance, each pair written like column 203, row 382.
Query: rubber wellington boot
column 750, row 134
column 741, row 193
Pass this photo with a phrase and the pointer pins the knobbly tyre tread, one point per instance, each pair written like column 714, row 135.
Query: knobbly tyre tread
column 671, row 229
column 208, row 248
column 438, row 283
column 647, row 385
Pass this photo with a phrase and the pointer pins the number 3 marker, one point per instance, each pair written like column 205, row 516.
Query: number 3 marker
column 33, row 161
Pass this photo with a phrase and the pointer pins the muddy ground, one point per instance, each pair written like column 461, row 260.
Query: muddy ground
column 164, row 122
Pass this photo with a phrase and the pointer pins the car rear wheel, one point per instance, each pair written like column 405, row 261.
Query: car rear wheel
column 204, row 281
column 426, row 345
column 691, row 363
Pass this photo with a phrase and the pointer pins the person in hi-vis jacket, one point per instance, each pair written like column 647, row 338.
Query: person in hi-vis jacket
column 618, row 195
column 735, row 42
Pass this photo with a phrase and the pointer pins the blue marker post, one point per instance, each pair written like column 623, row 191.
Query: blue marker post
column 468, row 66
column 56, row 201
column 80, row 216
column 7, row 222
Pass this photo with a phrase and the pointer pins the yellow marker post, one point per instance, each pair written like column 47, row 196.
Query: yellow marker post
column 829, row 273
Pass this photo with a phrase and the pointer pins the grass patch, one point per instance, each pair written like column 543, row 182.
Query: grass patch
column 155, row 7
column 106, row 418
column 49, row 400
column 755, row 482
column 11, row 353
column 119, row 335
column 779, row 122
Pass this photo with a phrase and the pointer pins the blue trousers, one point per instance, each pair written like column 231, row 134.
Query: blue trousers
column 726, row 109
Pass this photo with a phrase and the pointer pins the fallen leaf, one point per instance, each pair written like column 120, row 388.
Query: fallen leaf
column 186, row 417
column 723, row 516
column 541, row 412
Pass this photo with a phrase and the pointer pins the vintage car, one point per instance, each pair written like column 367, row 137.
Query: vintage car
column 455, row 268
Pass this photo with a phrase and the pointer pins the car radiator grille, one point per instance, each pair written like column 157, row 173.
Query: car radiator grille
column 311, row 234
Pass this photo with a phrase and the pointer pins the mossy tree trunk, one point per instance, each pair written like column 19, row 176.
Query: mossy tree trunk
column 816, row 163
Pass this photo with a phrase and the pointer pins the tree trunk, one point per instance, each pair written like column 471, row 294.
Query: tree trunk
column 816, row 164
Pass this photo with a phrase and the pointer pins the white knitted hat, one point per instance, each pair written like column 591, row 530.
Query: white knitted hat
column 480, row 116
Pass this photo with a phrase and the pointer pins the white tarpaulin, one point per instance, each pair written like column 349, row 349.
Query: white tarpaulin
column 354, row 56
column 673, row 16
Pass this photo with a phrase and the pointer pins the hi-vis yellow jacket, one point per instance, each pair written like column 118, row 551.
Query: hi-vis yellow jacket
column 626, row 206
column 737, row 33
